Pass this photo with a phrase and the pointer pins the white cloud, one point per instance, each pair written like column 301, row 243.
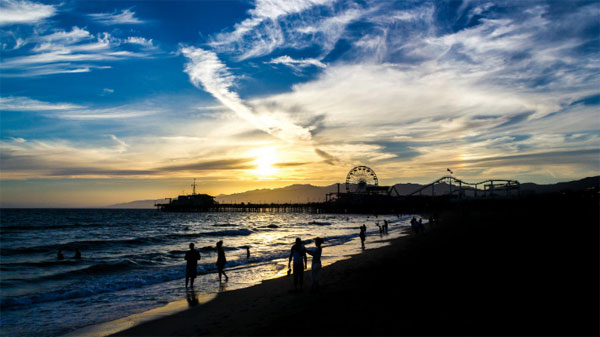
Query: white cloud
column 75, row 111
column 126, row 16
column 72, row 51
column 121, row 145
column 287, row 24
column 27, row 104
column 297, row 64
column 139, row 40
column 24, row 12
column 207, row 71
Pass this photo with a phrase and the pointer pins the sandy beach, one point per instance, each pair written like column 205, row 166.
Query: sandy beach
column 470, row 274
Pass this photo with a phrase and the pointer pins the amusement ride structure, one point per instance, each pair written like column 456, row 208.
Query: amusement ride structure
column 363, row 194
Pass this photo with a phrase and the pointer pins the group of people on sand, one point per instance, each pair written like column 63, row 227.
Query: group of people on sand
column 192, row 257
column 297, row 254
column 417, row 226
column 61, row 257
column 383, row 229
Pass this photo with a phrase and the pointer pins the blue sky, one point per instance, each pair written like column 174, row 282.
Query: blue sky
column 106, row 101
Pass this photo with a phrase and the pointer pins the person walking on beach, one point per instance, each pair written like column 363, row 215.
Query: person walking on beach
column 298, row 254
column 414, row 224
column 191, row 256
column 363, row 235
column 221, row 260
column 315, row 268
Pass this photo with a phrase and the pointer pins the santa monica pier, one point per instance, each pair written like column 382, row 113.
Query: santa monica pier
column 361, row 193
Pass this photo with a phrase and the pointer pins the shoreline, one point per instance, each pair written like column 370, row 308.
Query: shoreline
column 347, row 251
column 207, row 318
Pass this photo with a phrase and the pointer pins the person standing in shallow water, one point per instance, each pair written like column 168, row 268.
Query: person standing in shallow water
column 191, row 256
column 363, row 235
column 298, row 254
column 221, row 260
column 315, row 267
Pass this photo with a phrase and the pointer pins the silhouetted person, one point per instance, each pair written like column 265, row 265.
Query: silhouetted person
column 316, row 263
column 77, row 254
column 221, row 260
column 363, row 235
column 385, row 226
column 414, row 224
column 60, row 255
column 248, row 252
column 380, row 229
column 298, row 254
column 191, row 256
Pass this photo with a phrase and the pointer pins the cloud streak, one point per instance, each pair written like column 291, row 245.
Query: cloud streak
column 125, row 17
column 206, row 71
column 27, row 104
column 297, row 64
column 24, row 12
column 281, row 24
column 74, row 51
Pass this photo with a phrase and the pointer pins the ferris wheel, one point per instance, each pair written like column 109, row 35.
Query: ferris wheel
column 361, row 177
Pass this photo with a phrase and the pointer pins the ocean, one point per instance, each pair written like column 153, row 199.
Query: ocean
column 133, row 260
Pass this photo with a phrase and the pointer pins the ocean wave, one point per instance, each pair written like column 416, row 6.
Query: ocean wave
column 40, row 264
column 232, row 232
column 101, row 268
column 91, row 244
column 127, row 274
column 110, row 283
column 319, row 223
column 46, row 227
column 225, row 225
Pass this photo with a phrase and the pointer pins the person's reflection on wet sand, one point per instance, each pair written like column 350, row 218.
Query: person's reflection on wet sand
column 192, row 298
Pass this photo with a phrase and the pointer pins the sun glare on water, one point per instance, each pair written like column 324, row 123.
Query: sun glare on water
column 265, row 158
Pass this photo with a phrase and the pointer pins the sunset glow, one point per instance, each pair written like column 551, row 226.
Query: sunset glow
column 265, row 158
column 146, row 96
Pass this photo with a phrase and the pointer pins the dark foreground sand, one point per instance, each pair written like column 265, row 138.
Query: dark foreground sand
column 504, row 268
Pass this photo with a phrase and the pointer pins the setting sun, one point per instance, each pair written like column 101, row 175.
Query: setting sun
column 265, row 158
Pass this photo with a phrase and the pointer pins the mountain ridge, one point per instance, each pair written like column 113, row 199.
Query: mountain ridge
column 299, row 193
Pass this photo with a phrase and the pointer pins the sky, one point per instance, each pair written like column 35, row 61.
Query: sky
column 112, row 101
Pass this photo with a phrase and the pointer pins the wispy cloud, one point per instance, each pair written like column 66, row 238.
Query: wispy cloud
column 140, row 40
column 125, row 17
column 73, row 51
column 24, row 12
column 297, row 64
column 74, row 111
column 206, row 71
column 283, row 24
column 27, row 104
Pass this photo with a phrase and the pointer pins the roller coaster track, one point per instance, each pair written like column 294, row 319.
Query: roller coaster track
column 491, row 187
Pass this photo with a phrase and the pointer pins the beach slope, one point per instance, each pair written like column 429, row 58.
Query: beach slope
column 526, row 267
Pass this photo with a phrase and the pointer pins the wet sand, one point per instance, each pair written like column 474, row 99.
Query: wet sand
column 485, row 269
